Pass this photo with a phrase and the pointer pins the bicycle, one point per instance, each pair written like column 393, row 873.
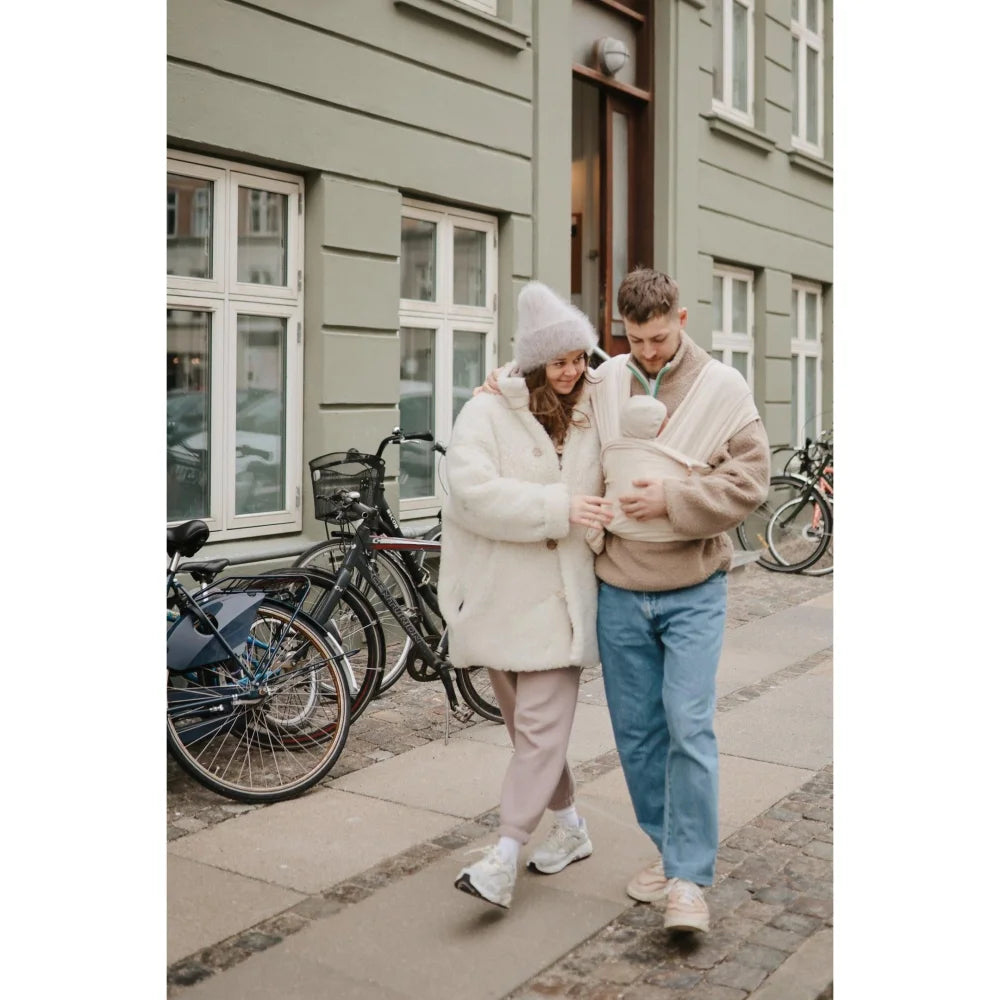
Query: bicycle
column 408, row 570
column 794, row 525
column 427, row 656
column 257, row 693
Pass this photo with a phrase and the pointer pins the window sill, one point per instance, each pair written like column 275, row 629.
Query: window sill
column 804, row 161
column 698, row 4
column 486, row 27
column 742, row 133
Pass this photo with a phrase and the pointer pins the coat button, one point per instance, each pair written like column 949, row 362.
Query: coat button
column 551, row 543
column 537, row 452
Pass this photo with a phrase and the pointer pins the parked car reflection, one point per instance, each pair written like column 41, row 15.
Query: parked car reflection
column 416, row 415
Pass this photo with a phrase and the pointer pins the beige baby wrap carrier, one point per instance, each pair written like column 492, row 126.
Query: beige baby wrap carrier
column 717, row 406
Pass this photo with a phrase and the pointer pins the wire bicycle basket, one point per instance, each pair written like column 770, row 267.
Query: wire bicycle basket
column 344, row 470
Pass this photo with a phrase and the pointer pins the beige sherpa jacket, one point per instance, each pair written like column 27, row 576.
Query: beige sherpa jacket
column 517, row 585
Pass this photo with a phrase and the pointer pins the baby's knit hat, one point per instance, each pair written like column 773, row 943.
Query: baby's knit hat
column 642, row 417
column 548, row 327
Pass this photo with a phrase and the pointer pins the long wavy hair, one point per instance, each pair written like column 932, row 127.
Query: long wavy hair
column 554, row 412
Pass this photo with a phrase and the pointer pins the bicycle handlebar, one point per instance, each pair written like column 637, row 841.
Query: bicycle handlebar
column 399, row 437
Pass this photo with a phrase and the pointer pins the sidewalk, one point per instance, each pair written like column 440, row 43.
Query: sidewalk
column 348, row 889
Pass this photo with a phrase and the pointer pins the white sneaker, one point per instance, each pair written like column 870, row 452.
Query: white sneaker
column 649, row 885
column 686, row 907
column 564, row 845
column 491, row 878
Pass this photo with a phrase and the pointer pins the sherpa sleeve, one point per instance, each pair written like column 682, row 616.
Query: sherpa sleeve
column 707, row 504
column 484, row 501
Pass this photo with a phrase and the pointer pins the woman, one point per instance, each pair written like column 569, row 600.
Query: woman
column 517, row 585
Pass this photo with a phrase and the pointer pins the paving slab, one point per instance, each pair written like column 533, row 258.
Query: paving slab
column 421, row 938
column 206, row 905
column 592, row 693
column 591, row 735
column 279, row 973
column 791, row 724
column 753, row 651
column 461, row 778
column 749, row 787
column 804, row 974
column 313, row 842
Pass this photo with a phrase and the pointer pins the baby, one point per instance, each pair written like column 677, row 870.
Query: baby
column 643, row 417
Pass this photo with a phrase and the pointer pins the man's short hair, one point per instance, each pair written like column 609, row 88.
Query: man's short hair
column 646, row 294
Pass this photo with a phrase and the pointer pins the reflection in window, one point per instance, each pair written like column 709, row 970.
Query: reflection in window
column 469, row 267
column 418, row 253
column 189, row 338
column 619, row 213
column 416, row 411
column 189, row 226
column 468, row 367
column 262, row 236
column 260, row 414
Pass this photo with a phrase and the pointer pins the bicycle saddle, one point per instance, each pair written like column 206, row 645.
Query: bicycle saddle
column 187, row 538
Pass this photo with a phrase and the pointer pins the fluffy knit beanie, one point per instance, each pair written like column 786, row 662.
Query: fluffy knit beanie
column 548, row 327
column 642, row 417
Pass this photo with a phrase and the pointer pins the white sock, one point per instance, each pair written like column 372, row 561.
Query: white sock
column 568, row 816
column 509, row 849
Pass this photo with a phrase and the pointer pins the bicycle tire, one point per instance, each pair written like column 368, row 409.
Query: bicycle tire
column 752, row 531
column 328, row 556
column 477, row 691
column 273, row 745
column 799, row 531
column 361, row 636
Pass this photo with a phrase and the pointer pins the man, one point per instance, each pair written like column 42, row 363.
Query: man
column 662, row 603
column 662, row 568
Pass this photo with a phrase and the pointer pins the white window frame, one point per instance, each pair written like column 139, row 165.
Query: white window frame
column 725, row 105
column 445, row 318
column 483, row 6
column 226, row 298
column 727, row 340
column 803, row 39
column 803, row 348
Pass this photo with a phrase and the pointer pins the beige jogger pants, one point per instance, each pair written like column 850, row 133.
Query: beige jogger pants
column 538, row 708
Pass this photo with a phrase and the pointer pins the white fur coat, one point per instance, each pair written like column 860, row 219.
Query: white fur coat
column 517, row 585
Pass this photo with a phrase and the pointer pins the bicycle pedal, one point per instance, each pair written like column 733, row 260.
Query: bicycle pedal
column 462, row 713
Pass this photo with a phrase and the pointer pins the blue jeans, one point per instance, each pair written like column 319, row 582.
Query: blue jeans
column 659, row 654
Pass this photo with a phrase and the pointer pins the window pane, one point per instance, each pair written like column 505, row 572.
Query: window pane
column 416, row 411
column 812, row 309
column 812, row 19
column 741, row 39
column 417, row 255
column 468, row 367
column 795, row 400
column 740, row 362
column 189, row 414
column 795, row 10
column 741, row 291
column 796, row 127
column 812, row 96
column 718, row 355
column 262, row 237
column 469, row 285
column 619, row 210
column 718, row 52
column 260, row 414
column 189, row 226
column 809, row 392
column 717, row 302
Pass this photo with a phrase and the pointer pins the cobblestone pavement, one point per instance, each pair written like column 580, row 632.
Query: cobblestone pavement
column 774, row 876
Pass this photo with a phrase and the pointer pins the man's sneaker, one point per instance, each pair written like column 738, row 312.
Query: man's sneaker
column 649, row 885
column 686, row 907
column 564, row 845
column 491, row 878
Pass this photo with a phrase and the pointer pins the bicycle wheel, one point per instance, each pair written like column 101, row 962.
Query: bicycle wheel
column 390, row 571
column 752, row 531
column 267, row 725
column 474, row 685
column 799, row 531
column 361, row 636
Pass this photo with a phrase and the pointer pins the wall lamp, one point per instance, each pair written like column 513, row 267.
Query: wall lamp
column 611, row 55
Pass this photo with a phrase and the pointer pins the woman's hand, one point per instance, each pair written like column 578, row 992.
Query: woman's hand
column 591, row 512
column 647, row 502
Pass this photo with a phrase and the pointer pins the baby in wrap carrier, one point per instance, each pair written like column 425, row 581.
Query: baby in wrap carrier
column 638, row 454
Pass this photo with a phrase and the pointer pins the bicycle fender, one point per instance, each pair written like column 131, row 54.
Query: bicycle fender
column 190, row 644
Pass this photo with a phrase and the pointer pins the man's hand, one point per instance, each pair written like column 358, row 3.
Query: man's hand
column 491, row 385
column 647, row 502
column 591, row 512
